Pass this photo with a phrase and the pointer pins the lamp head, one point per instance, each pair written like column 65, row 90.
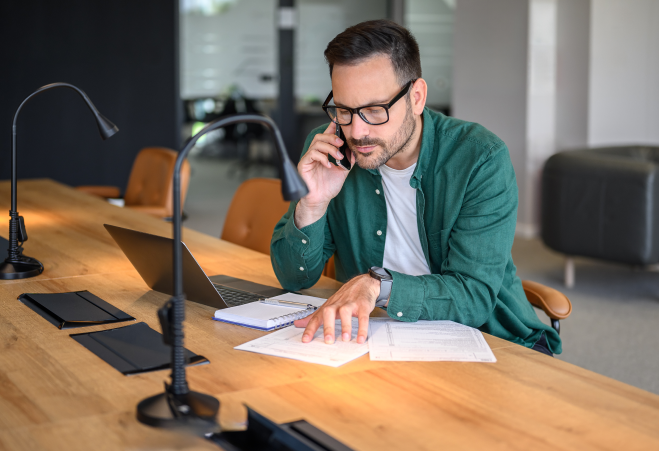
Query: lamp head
column 105, row 127
column 292, row 185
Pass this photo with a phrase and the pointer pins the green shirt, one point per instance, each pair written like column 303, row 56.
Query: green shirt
column 466, row 204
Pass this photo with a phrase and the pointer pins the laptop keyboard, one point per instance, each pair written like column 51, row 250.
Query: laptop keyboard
column 235, row 297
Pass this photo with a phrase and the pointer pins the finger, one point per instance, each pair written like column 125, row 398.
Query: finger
column 319, row 157
column 302, row 322
column 328, row 144
column 362, row 331
column 331, row 128
column 329, row 318
column 329, row 149
column 345, row 313
column 312, row 327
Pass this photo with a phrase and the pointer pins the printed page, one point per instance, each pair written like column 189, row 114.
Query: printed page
column 426, row 341
column 288, row 343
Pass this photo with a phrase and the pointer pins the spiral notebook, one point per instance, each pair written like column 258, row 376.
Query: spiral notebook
column 265, row 316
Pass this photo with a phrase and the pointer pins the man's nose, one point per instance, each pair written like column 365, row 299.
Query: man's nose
column 359, row 128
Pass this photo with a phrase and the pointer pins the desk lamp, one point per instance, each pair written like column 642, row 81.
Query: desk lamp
column 17, row 265
column 179, row 407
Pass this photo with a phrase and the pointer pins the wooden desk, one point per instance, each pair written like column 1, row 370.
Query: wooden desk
column 54, row 394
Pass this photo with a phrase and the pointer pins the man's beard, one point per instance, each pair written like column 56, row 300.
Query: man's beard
column 398, row 143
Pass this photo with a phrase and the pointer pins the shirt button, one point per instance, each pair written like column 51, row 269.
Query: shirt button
column 377, row 191
column 379, row 232
column 399, row 314
column 301, row 268
column 304, row 241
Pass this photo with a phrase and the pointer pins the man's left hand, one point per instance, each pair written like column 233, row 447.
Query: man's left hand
column 354, row 299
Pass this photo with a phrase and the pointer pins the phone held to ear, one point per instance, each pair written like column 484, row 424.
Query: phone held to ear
column 345, row 150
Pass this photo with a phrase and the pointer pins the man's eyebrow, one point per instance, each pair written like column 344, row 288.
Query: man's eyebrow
column 375, row 102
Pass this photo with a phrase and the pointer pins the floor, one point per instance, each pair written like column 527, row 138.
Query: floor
column 614, row 327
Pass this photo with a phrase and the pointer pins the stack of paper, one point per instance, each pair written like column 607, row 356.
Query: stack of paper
column 426, row 341
column 288, row 343
column 387, row 340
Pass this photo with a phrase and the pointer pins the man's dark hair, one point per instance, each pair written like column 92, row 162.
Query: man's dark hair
column 377, row 37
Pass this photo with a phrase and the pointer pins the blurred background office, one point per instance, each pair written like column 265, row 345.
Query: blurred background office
column 545, row 75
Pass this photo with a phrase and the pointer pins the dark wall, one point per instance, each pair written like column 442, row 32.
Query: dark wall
column 122, row 53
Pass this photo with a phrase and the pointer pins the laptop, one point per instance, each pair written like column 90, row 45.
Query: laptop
column 151, row 255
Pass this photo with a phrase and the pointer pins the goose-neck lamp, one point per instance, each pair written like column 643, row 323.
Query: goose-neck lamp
column 179, row 407
column 17, row 265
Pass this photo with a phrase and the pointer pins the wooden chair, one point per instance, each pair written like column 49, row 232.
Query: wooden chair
column 257, row 206
column 150, row 185
column 255, row 209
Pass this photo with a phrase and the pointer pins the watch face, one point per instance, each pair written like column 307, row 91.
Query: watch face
column 379, row 273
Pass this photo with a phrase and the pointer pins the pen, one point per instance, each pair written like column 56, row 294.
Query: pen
column 288, row 303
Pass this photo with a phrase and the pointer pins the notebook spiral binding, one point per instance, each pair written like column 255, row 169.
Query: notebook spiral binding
column 287, row 320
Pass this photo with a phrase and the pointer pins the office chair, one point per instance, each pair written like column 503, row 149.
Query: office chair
column 150, row 183
column 257, row 207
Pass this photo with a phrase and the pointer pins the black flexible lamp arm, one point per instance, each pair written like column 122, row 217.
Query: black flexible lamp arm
column 293, row 187
column 105, row 127
column 179, row 407
column 16, row 265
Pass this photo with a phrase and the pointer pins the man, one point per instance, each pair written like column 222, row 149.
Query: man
column 423, row 223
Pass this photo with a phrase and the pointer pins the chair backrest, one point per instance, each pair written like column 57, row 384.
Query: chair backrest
column 255, row 209
column 150, row 183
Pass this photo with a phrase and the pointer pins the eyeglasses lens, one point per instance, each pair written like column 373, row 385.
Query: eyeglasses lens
column 373, row 115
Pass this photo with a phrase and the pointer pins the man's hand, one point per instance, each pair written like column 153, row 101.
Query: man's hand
column 323, row 179
column 354, row 299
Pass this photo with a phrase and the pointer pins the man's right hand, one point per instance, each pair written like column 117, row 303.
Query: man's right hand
column 323, row 178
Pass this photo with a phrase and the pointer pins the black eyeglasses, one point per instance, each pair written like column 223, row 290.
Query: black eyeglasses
column 371, row 114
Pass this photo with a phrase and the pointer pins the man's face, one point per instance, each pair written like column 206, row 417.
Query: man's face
column 373, row 82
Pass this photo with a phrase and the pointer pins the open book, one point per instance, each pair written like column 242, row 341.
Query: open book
column 268, row 315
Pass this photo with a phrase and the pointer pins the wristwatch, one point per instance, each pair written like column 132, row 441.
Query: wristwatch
column 386, row 282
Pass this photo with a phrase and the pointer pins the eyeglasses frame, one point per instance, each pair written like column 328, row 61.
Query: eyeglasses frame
column 354, row 111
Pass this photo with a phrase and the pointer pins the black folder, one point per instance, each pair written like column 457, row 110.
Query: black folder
column 75, row 309
column 133, row 349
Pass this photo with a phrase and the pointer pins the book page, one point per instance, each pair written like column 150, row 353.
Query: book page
column 287, row 343
column 426, row 341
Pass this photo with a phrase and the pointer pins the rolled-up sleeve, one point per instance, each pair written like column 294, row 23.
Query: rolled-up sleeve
column 298, row 255
column 478, row 247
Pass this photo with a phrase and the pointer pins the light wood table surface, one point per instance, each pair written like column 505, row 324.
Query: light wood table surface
column 55, row 394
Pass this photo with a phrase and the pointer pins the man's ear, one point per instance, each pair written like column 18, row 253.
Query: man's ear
column 419, row 93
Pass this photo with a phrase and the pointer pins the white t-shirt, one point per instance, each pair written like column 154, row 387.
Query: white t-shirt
column 402, row 247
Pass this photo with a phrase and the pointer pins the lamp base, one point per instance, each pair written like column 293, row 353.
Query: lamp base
column 20, row 269
column 193, row 412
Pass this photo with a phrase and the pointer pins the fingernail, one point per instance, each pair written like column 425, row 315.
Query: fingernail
column 329, row 339
column 305, row 338
column 339, row 155
column 360, row 340
column 339, row 141
column 346, row 337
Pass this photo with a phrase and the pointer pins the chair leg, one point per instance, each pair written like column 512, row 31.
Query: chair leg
column 569, row 272
column 556, row 324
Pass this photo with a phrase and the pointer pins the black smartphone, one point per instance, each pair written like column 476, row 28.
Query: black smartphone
column 345, row 150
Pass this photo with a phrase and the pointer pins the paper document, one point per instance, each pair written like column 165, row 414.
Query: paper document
column 288, row 343
column 426, row 341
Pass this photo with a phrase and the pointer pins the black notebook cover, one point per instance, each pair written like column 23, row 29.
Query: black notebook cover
column 75, row 309
column 133, row 349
